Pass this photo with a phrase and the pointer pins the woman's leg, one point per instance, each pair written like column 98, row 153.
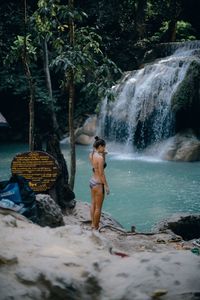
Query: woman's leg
column 98, row 202
column 92, row 207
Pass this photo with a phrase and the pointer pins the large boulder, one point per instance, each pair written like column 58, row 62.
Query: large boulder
column 49, row 213
column 84, row 139
column 185, row 225
column 184, row 146
column 84, row 135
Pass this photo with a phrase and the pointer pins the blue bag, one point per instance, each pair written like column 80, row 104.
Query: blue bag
column 11, row 192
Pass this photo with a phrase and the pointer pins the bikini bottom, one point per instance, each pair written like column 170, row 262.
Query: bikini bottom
column 94, row 183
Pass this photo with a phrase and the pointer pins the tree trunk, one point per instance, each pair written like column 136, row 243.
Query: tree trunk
column 31, row 102
column 61, row 192
column 71, row 106
column 55, row 127
column 71, row 131
column 172, row 30
column 31, row 85
column 31, row 113
column 140, row 18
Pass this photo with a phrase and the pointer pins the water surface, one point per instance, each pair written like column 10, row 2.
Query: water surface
column 144, row 190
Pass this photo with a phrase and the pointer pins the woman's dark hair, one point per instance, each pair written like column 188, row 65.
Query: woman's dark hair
column 98, row 142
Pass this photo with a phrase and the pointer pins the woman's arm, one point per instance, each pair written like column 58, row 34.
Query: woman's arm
column 102, row 174
column 91, row 157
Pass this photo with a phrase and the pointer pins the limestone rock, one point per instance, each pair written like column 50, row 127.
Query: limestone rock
column 89, row 127
column 185, row 225
column 73, row 262
column 84, row 135
column 49, row 213
column 183, row 147
column 81, row 215
column 84, row 139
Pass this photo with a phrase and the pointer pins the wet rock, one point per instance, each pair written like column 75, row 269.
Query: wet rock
column 187, row 226
column 49, row 213
column 185, row 102
column 81, row 215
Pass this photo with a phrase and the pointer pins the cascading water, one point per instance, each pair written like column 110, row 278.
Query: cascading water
column 141, row 113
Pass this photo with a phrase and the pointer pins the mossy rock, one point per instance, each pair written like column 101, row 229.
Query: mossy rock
column 187, row 94
column 185, row 103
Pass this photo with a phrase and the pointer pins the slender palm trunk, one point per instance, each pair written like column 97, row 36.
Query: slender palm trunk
column 140, row 18
column 60, row 192
column 172, row 30
column 71, row 131
column 31, row 107
column 71, row 106
column 31, row 85
column 55, row 126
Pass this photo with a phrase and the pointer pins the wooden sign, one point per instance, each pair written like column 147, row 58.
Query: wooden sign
column 40, row 168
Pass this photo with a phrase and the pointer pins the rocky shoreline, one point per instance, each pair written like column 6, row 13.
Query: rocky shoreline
column 72, row 262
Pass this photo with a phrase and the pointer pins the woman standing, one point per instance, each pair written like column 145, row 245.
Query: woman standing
column 98, row 182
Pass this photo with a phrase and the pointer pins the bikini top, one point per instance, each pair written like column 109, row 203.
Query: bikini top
column 104, row 166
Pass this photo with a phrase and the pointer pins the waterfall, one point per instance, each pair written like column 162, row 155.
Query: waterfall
column 141, row 113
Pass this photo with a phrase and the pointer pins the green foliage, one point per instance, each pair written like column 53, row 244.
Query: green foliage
column 10, row 25
column 14, row 81
column 104, row 77
column 82, row 57
column 184, row 32
column 20, row 45
column 88, row 62
column 44, row 19
column 51, row 18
